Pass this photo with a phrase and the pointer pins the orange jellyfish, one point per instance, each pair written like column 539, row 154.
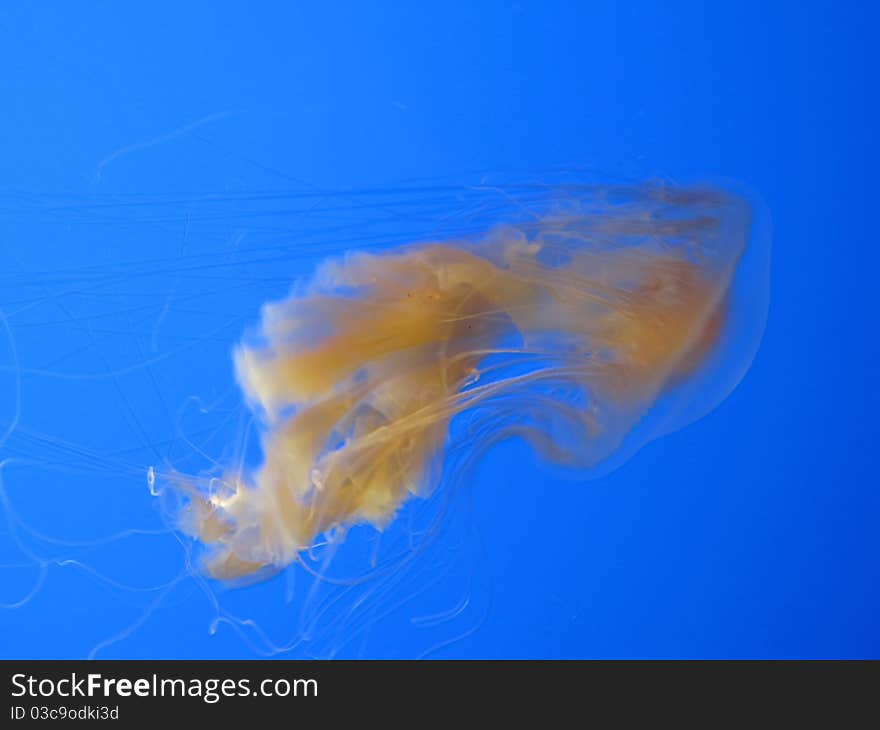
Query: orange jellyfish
column 600, row 318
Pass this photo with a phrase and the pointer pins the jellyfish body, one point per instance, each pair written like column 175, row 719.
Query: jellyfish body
column 595, row 321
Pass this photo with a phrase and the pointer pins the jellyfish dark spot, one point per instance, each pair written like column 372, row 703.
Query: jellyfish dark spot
column 597, row 320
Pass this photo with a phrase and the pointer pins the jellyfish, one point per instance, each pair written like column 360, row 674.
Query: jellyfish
column 591, row 320
column 332, row 436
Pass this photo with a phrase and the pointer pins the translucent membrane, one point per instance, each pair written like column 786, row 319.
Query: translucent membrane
column 593, row 320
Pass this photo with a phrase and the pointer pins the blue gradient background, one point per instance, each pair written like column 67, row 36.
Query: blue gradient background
column 750, row 534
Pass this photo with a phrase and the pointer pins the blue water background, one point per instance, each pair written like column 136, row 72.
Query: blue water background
column 753, row 533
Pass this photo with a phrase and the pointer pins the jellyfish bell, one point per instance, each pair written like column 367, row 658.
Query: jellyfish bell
column 722, row 351
column 592, row 321
column 736, row 255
